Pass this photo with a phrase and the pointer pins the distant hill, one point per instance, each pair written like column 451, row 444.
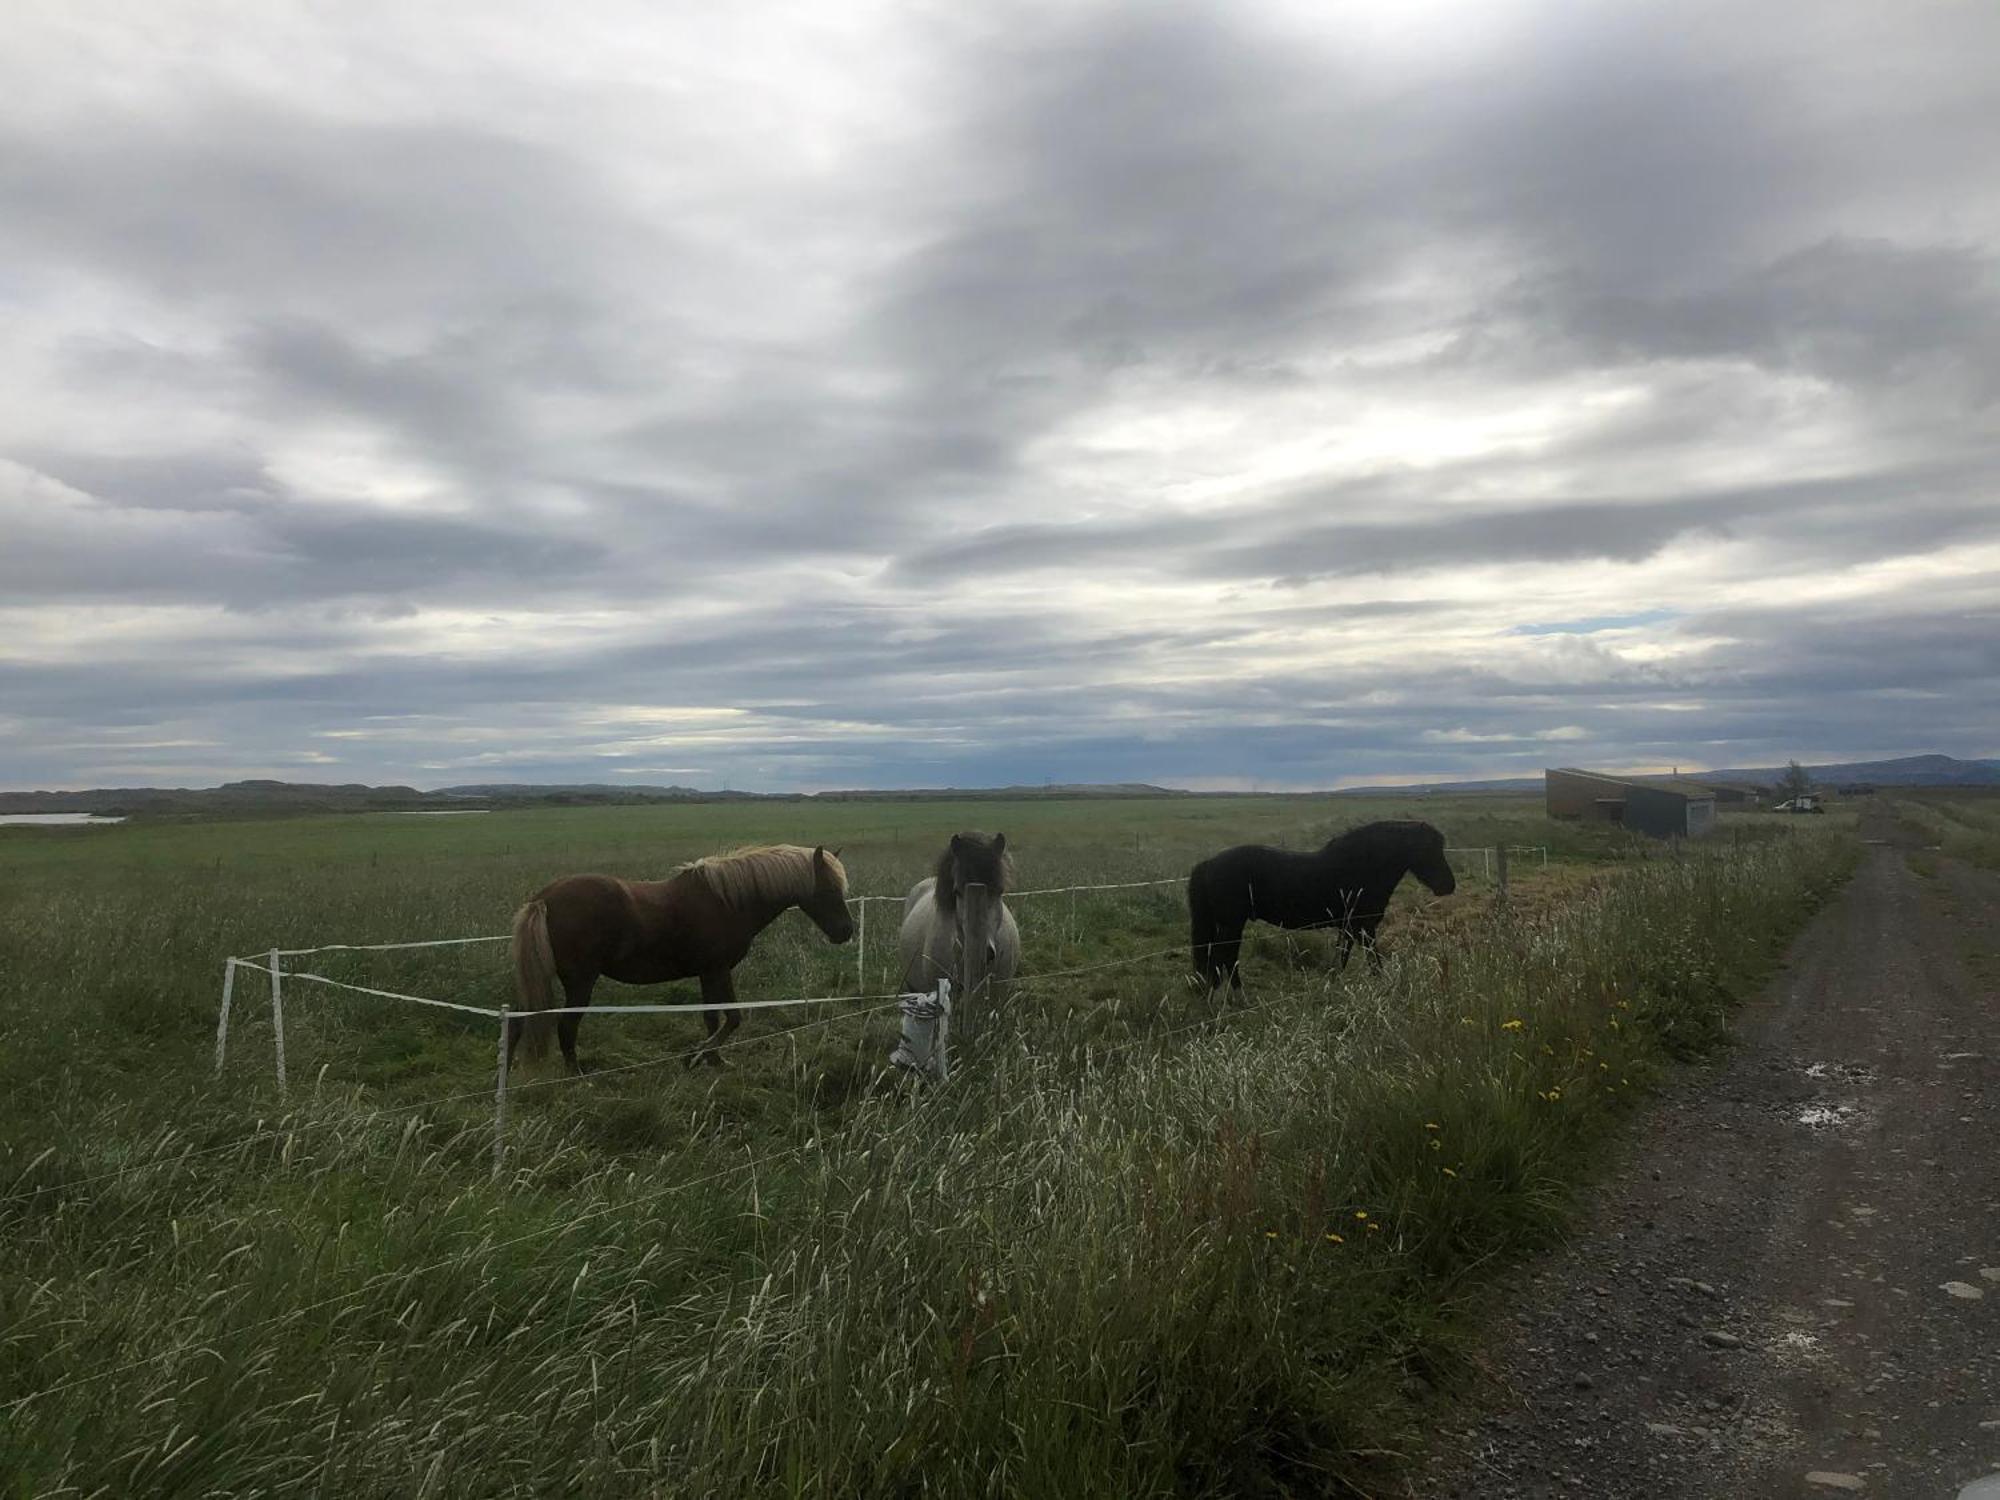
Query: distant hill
column 278, row 798
column 1908, row 770
column 1057, row 790
column 235, row 797
column 595, row 791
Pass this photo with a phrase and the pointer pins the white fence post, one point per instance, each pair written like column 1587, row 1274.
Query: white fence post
column 500, row 1099
column 925, row 1045
column 278, row 1019
column 861, row 948
column 222, row 1020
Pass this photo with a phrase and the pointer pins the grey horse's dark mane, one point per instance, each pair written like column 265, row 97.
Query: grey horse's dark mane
column 977, row 860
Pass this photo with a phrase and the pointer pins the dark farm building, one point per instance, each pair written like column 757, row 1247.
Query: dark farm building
column 1665, row 808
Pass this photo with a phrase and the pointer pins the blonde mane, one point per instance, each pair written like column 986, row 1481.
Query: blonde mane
column 772, row 874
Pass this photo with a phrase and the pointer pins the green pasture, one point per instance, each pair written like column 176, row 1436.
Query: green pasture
column 1142, row 1244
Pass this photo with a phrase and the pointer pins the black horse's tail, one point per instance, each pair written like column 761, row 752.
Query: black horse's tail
column 534, row 971
column 1201, row 924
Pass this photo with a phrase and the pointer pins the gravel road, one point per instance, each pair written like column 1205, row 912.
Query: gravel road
column 1789, row 1285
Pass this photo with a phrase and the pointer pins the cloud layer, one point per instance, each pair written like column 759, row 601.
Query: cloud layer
column 805, row 397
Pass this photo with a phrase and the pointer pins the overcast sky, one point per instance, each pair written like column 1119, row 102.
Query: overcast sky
column 1285, row 395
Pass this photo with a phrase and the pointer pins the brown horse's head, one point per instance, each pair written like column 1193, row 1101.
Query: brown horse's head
column 827, row 905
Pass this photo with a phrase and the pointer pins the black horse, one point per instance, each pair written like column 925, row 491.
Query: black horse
column 1345, row 885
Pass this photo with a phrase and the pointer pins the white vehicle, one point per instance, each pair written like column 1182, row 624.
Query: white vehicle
column 1809, row 803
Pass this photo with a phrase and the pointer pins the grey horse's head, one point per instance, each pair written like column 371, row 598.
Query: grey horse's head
column 972, row 859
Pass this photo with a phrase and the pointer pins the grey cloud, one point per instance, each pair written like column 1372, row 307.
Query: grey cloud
column 1772, row 226
column 233, row 202
column 1862, row 515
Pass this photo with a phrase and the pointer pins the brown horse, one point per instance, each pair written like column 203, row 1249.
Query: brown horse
column 698, row 922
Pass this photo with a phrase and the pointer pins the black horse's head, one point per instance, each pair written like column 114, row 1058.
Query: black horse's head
column 1427, row 861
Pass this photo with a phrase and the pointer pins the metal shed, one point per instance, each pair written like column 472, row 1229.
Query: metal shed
column 1663, row 808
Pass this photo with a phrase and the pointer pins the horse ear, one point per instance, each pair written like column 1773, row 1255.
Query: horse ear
column 957, row 843
column 999, row 843
column 836, row 854
column 819, row 854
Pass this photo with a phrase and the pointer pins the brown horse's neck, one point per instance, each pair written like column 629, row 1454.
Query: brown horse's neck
column 745, row 918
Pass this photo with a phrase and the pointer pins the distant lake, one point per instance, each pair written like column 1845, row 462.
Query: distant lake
column 60, row 820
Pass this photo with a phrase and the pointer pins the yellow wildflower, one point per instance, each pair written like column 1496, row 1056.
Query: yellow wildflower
column 1270, row 1234
column 1374, row 1228
column 1513, row 1024
column 1360, row 1213
column 1334, row 1239
column 1447, row 1171
column 1437, row 1145
column 1432, row 1125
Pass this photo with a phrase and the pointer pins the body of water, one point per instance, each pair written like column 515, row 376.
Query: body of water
column 60, row 820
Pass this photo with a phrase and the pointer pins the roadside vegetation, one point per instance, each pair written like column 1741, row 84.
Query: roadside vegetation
column 1143, row 1243
column 1964, row 822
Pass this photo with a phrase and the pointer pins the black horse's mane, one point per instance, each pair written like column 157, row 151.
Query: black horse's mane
column 1368, row 838
column 980, row 860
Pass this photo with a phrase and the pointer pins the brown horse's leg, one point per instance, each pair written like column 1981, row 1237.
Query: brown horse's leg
column 576, row 991
column 718, row 990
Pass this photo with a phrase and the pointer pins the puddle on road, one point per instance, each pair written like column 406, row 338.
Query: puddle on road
column 1845, row 1072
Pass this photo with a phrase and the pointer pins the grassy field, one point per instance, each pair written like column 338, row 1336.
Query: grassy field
column 1965, row 821
column 1139, row 1246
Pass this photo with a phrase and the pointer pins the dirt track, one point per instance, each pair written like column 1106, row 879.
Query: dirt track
column 1790, row 1285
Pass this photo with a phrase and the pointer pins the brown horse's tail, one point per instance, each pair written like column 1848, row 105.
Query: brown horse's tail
column 534, row 972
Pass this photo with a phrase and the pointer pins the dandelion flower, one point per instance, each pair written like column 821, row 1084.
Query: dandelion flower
column 1513, row 1023
column 1360, row 1213
column 1374, row 1228
column 1335, row 1239
column 1432, row 1125
column 1447, row 1171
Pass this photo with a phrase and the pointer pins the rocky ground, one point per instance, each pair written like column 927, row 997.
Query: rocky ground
column 1790, row 1284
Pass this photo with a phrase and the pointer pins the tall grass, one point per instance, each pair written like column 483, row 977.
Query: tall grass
column 1138, row 1246
column 1965, row 822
